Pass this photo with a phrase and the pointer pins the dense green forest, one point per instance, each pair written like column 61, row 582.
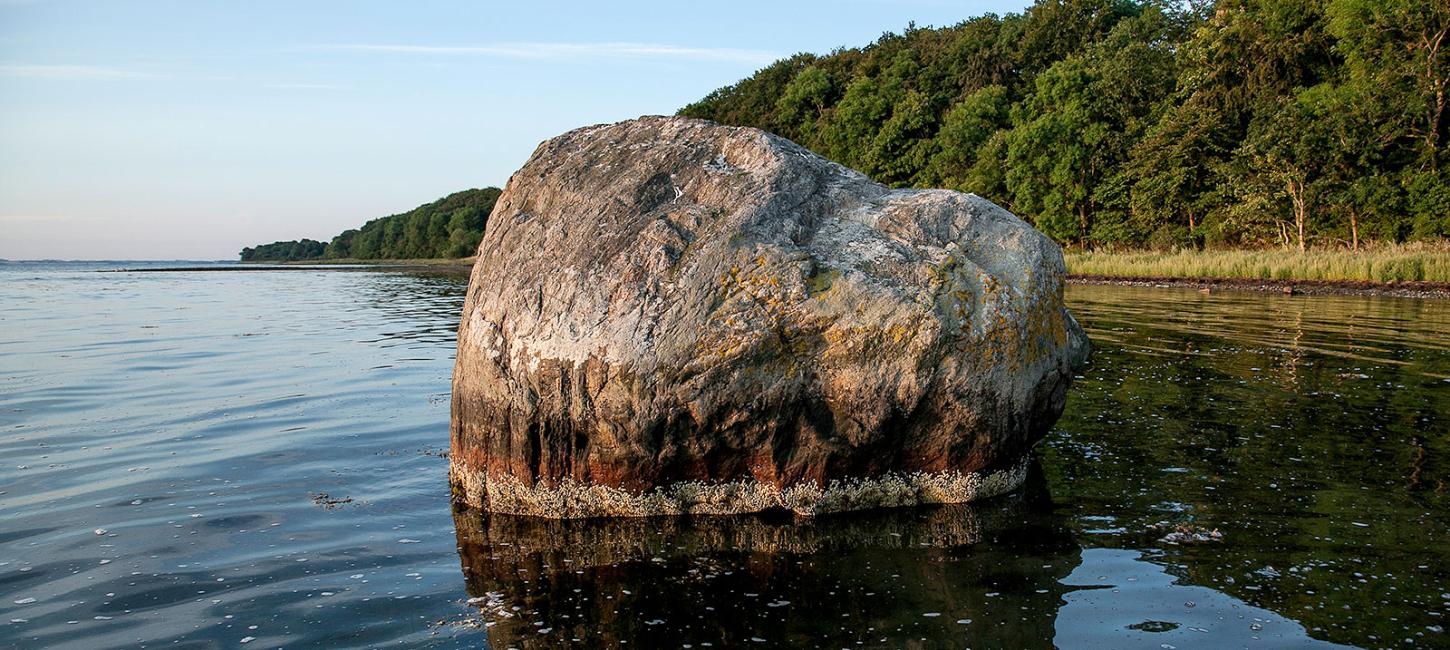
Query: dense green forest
column 1130, row 124
column 301, row 249
column 449, row 227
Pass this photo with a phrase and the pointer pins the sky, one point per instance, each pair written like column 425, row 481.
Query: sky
column 154, row 129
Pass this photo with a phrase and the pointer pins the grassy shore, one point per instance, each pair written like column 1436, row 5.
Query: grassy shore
column 1381, row 263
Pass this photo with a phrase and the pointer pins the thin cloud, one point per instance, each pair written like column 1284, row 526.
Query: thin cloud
column 573, row 51
column 307, row 86
column 69, row 72
column 38, row 218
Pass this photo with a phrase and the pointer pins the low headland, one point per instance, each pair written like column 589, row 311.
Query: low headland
column 448, row 228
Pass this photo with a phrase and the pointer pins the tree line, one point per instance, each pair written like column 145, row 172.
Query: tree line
column 1130, row 124
column 279, row 251
column 449, row 227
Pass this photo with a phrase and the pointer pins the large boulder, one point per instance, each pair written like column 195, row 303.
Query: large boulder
column 672, row 316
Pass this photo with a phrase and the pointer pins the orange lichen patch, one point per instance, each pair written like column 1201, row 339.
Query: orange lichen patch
column 753, row 314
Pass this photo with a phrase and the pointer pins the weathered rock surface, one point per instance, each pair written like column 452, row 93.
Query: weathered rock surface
column 672, row 316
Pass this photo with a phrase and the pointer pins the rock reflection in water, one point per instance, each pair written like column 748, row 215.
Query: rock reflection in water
column 912, row 577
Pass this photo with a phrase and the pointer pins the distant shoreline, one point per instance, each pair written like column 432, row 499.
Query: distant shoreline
column 460, row 264
column 1405, row 289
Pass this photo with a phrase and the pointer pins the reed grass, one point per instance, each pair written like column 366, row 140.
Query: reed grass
column 1378, row 263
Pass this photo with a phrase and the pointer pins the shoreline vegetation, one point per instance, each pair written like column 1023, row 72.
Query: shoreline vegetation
column 1416, row 270
column 1381, row 264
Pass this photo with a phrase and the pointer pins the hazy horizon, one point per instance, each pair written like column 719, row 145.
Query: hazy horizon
column 172, row 130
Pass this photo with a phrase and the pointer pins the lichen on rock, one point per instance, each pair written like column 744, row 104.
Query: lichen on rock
column 671, row 316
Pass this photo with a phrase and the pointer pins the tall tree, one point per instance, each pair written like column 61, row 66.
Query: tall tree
column 1133, row 122
column 1404, row 46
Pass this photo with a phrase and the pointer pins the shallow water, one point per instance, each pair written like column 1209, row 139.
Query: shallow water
column 211, row 459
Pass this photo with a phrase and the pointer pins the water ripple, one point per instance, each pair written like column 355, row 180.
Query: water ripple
column 195, row 459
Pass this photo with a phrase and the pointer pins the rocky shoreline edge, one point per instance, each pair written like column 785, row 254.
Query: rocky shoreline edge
column 1408, row 289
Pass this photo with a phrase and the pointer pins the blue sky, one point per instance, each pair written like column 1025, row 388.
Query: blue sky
column 186, row 130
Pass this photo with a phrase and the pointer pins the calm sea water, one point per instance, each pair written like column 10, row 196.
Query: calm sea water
column 258, row 458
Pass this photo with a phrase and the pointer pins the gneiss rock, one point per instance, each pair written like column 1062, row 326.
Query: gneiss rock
column 672, row 316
